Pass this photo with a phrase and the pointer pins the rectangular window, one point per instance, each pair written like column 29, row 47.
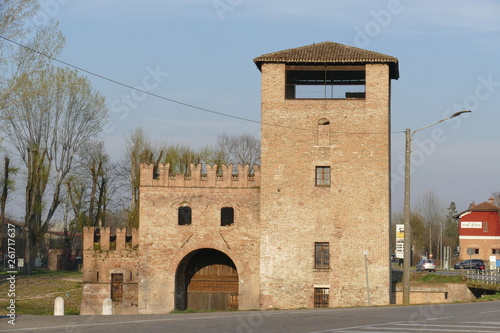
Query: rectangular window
column 322, row 176
column 321, row 297
column 116, row 287
column 332, row 83
column 322, row 255
column 485, row 226
column 495, row 251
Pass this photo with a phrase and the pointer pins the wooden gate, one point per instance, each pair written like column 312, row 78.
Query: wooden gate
column 209, row 280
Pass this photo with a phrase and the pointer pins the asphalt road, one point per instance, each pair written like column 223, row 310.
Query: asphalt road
column 467, row 317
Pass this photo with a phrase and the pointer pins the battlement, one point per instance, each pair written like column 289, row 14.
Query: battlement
column 201, row 176
column 103, row 239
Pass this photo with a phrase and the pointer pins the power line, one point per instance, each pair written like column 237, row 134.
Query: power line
column 170, row 99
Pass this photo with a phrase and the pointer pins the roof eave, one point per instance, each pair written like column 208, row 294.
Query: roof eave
column 393, row 65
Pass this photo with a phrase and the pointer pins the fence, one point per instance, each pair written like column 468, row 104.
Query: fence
column 487, row 276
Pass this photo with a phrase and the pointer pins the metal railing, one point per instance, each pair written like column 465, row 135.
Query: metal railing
column 486, row 276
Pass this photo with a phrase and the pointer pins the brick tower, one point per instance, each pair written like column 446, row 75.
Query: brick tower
column 325, row 186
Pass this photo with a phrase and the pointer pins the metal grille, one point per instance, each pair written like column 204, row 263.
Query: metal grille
column 321, row 297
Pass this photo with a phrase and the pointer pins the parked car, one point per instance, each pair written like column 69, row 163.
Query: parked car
column 470, row 264
column 426, row 265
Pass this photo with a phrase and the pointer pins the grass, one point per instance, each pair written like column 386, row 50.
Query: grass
column 35, row 293
column 436, row 278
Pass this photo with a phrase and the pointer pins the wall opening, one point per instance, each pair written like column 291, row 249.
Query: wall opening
column 184, row 215
column 206, row 279
column 226, row 216
column 325, row 83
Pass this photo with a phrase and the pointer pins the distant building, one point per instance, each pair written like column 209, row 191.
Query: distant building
column 291, row 233
column 479, row 230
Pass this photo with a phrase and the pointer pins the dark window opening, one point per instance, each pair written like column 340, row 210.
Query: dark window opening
column 184, row 217
column 322, row 176
column 325, row 84
column 495, row 251
column 97, row 235
column 321, row 297
column 116, row 287
column 226, row 216
column 322, row 255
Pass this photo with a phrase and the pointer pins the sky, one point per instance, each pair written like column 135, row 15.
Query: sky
column 200, row 52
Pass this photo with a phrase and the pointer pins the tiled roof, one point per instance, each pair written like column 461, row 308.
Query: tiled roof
column 329, row 53
column 487, row 206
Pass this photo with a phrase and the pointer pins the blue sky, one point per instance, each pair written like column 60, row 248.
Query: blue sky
column 200, row 52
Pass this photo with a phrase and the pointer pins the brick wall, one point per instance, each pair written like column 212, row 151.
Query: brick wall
column 352, row 214
column 164, row 243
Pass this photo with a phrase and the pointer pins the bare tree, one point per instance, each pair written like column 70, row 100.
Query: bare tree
column 56, row 114
column 138, row 148
column 433, row 211
column 7, row 185
column 237, row 149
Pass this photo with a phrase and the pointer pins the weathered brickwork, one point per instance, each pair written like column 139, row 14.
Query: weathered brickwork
column 291, row 241
column 352, row 214
column 105, row 254
column 164, row 243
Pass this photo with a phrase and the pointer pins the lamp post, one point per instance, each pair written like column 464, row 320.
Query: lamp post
column 407, row 226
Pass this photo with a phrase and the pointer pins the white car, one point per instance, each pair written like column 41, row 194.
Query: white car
column 426, row 265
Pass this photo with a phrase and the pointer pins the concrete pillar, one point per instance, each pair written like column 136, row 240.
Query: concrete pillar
column 59, row 306
column 107, row 307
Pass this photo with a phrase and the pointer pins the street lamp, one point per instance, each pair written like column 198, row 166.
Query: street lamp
column 407, row 227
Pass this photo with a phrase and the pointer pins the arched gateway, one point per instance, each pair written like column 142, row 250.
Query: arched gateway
column 206, row 279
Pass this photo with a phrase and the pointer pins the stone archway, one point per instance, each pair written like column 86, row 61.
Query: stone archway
column 206, row 279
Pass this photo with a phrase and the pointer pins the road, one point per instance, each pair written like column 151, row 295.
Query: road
column 465, row 317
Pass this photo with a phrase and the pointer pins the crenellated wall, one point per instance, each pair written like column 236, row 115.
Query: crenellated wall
column 105, row 253
column 201, row 176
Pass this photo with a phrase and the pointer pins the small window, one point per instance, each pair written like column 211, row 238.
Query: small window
column 485, row 226
column 321, row 297
column 184, row 216
column 322, row 176
column 322, row 255
column 495, row 251
column 116, row 287
column 226, row 216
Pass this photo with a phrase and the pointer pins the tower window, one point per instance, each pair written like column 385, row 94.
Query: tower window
column 322, row 176
column 226, row 216
column 184, row 216
column 321, row 255
column 330, row 83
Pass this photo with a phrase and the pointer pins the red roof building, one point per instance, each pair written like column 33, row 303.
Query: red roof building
column 479, row 230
